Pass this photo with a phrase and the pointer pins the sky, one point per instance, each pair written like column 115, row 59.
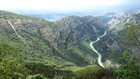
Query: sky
column 61, row 5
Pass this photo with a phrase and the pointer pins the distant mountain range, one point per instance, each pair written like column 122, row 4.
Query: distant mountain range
column 99, row 11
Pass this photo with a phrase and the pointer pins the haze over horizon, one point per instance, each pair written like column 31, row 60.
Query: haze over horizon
column 62, row 6
column 56, row 9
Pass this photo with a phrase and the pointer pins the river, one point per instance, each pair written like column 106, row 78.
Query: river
column 99, row 55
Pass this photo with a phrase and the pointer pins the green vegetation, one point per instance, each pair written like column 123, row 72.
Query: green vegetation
column 95, row 72
column 87, row 73
column 11, row 62
column 13, row 66
column 48, row 71
column 129, row 69
column 62, row 51
column 51, row 43
column 38, row 76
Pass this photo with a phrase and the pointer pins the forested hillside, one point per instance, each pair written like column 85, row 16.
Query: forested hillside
column 33, row 48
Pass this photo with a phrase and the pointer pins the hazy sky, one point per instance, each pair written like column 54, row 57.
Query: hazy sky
column 61, row 5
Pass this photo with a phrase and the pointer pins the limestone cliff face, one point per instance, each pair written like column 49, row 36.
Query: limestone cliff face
column 110, row 45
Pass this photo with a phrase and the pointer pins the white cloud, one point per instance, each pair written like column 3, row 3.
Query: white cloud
column 56, row 5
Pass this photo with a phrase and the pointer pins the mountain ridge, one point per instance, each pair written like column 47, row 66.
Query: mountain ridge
column 60, row 37
column 66, row 39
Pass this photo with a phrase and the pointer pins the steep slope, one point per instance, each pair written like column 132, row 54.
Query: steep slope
column 123, row 36
column 62, row 43
column 75, row 33
column 35, row 48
